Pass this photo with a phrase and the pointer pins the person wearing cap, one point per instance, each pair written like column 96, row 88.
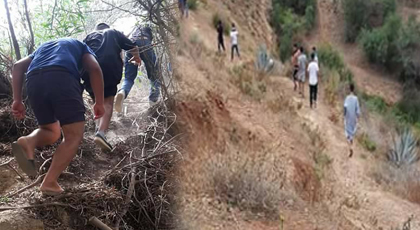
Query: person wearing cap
column 108, row 44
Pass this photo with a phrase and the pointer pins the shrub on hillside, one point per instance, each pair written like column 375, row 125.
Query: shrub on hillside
column 192, row 4
column 286, row 24
column 359, row 14
column 403, row 151
column 381, row 44
column 226, row 25
column 310, row 17
column 330, row 58
column 410, row 104
column 298, row 6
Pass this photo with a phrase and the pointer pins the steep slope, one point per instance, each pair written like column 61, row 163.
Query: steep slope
column 256, row 156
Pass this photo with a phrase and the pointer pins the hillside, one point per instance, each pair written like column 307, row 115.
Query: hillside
column 256, row 156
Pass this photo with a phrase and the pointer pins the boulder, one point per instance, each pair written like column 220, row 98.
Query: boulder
column 19, row 220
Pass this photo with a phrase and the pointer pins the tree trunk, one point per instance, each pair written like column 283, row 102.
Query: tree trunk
column 12, row 32
column 32, row 45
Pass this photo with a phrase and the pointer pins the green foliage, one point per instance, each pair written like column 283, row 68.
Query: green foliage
column 57, row 21
column 263, row 63
column 330, row 57
column 290, row 17
column 409, row 105
column 367, row 142
column 374, row 103
column 298, row 6
column 403, row 151
column 192, row 4
column 381, row 44
column 286, row 24
column 310, row 17
column 226, row 25
column 360, row 14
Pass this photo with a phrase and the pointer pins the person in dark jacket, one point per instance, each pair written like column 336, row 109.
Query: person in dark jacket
column 220, row 42
column 108, row 44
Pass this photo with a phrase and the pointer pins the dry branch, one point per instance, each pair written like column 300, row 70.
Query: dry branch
column 7, row 164
column 99, row 224
column 37, row 181
column 35, row 206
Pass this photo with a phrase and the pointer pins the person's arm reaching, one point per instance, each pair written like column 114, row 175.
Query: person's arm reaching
column 136, row 56
column 18, row 75
column 96, row 80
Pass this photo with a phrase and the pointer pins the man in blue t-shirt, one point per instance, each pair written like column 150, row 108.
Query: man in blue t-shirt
column 55, row 95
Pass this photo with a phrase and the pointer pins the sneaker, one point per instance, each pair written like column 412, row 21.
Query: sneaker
column 152, row 103
column 119, row 101
column 101, row 141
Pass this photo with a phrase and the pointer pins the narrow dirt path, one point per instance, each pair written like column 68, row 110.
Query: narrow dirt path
column 357, row 196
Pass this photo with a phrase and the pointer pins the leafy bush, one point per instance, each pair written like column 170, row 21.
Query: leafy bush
column 310, row 17
column 330, row 58
column 225, row 23
column 404, row 149
column 381, row 44
column 367, row 142
column 359, row 14
column 192, row 4
column 410, row 104
column 288, row 18
column 286, row 24
column 374, row 103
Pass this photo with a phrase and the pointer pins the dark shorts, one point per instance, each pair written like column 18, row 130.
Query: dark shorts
column 109, row 91
column 55, row 95
column 111, row 81
column 295, row 71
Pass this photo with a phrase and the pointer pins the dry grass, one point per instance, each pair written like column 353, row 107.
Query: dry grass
column 244, row 78
column 254, row 183
column 404, row 181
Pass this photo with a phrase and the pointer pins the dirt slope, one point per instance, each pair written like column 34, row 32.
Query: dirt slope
column 241, row 140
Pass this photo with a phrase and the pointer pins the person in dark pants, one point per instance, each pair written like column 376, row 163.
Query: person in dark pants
column 55, row 95
column 220, row 42
column 108, row 45
column 313, row 71
column 234, row 41
column 143, row 37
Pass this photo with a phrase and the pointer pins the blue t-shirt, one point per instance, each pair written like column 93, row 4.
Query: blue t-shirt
column 63, row 52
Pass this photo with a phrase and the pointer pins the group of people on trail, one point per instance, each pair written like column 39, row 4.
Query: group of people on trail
column 301, row 68
column 233, row 39
column 53, row 84
column 351, row 103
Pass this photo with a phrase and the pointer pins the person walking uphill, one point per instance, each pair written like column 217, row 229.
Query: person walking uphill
column 301, row 75
column 295, row 56
column 220, row 30
column 107, row 45
column 234, row 41
column 313, row 71
column 351, row 116
column 55, row 95
column 143, row 37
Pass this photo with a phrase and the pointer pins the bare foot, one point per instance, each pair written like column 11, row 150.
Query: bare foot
column 51, row 187
column 29, row 151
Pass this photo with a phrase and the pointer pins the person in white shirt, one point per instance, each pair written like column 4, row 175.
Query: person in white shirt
column 313, row 71
column 234, row 41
